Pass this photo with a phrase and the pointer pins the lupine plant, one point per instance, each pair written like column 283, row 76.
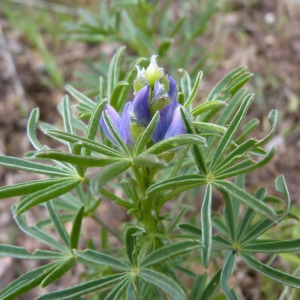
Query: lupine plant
column 163, row 158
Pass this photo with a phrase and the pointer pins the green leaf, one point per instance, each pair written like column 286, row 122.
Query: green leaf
column 26, row 282
column 273, row 118
column 209, row 127
column 246, row 198
column 57, row 223
column 145, row 136
column 226, row 274
column 87, row 161
column 282, row 188
column 229, row 216
column 75, row 233
column 211, row 288
column 163, row 282
column 117, row 91
column 214, row 105
column 90, row 104
column 249, row 215
column 238, row 83
column 270, row 272
column 149, row 160
column 19, row 252
column 174, row 142
column 191, row 229
column 206, row 226
column 101, row 259
column 188, row 181
column 64, row 265
column 119, row 289
column 112, row 171
column 168, row 252
column 94, row 124
column 27, row 187
column 257, row 230
column 186, row 85
column 245, row 167
column 87, row 143
column 130, row 243
column 225, row 81
column 235, row 155
column 37, row 233
column 25, row 165
column 272, row 246
column 196, row 150
column 231, row 130
column 67, row 117
column 113, row 71
column 32, row 127
column 115, row 134
column 46, row 194
column 194, row 91
column 84, row 288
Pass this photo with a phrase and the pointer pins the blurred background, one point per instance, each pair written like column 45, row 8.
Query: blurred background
column 45, row 44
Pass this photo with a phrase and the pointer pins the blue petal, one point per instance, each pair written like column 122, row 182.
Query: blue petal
column 172, row 88
column 115, row 119
column 166, row 117
column 176, row 127
column 140, row 106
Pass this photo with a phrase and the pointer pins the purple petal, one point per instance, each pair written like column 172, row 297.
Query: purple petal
column 124, row 128
column 115, row 118
column 176, row 127
column 166, row 117
column 140, row 106
column 172, row 88
column 159, row 91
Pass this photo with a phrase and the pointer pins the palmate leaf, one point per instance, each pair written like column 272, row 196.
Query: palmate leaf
column 174, row 142
column 26, row 282
column 114, row 71
column 163, row 282
column 271, row 246
column 196, row 149
column 94, row 124
column 145, row 136
column 97, row 258
column 87, row 161
column 84, row 288
column 38, row 234
column 192, row 95
column 32, row 127
column 64, row 265
column 87, row 143
column 19, row 252
column 246, row 198
column 75, row 232
column 188, row 181
column 168, row 252
column 231, row 130
column 27, row 187
column 65, row 185
column 29, row 166
column 214, row 105
column 206, row 225
column 225, row 275
column 119, row 289
column 270, row 272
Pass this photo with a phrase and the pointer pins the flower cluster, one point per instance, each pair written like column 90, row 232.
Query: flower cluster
column 154, row 91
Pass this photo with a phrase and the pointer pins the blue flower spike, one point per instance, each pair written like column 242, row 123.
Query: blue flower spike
column 153, row 91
